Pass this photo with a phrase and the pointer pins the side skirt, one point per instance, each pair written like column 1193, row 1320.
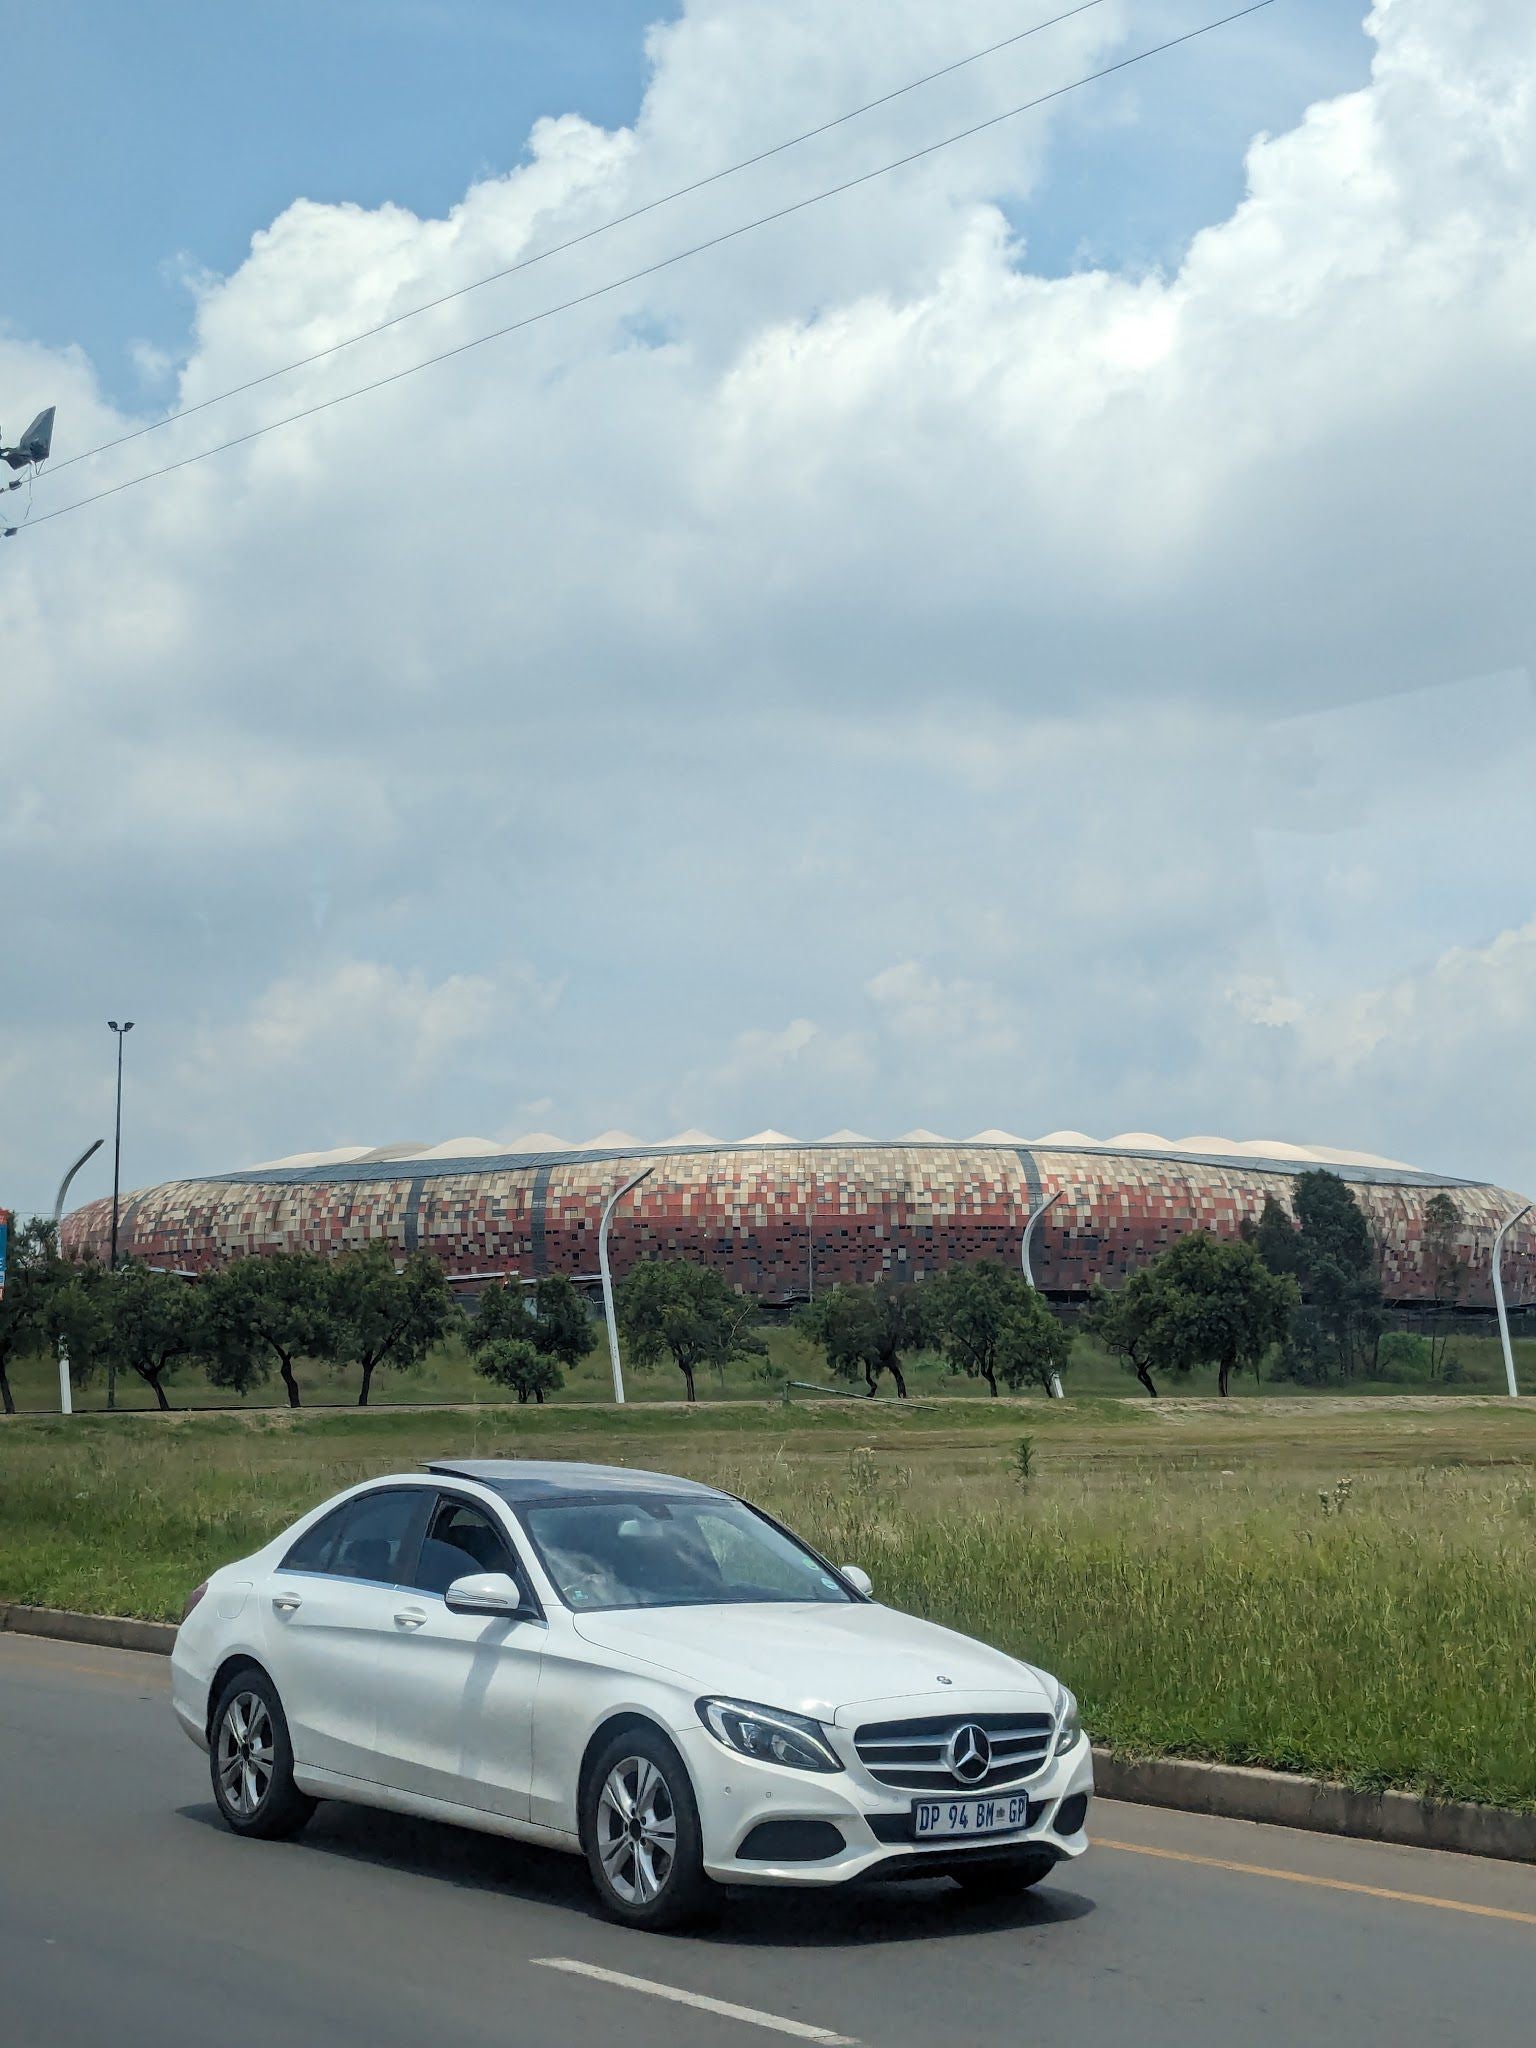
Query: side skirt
column 367, row 1792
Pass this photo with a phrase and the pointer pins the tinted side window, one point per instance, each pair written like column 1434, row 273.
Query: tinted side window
column 317, row 1546
column 377, row 1536
column 461, row 1538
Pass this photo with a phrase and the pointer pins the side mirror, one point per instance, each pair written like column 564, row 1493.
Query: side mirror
column 858, row 1578
column 485, row 1593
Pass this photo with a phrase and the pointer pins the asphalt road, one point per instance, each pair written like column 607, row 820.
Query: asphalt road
column 129, row 1916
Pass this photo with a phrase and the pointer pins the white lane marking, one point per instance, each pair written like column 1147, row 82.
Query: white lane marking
column 720, row 2006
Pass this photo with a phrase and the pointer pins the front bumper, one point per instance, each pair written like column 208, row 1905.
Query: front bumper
column 737, row 1795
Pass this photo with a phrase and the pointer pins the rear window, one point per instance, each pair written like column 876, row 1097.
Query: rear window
column 313, row 1551
column 371, row 1537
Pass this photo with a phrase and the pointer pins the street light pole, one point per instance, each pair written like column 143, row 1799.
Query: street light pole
column 1029, row 1278
column 66, row 1399
column 602, row 1264
column 1498, row 1297
column 120, row 1032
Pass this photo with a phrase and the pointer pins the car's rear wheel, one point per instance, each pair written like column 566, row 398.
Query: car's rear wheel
column 640, row 1830
column 1005, row 1876
column 251, row 1760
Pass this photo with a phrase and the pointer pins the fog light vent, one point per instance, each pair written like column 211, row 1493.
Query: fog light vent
column 1071, row 1814
column 791, row 1841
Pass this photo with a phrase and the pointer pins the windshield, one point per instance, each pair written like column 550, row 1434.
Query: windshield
column 649, row 1552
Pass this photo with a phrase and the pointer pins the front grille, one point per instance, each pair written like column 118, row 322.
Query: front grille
column 910, row 1755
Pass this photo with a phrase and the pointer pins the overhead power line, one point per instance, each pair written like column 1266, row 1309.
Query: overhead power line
column 651, row 269
column 575, row 241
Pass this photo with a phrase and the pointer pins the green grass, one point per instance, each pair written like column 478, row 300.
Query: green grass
column 1174, row 1562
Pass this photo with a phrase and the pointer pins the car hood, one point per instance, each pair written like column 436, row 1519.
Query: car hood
column 815, row 1659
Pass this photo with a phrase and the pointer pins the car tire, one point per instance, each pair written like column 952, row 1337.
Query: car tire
column 640, row 1831
column 250, row 1760
column 1005, row 1877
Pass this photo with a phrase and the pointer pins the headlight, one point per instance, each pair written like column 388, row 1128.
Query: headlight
column 1068, row 1726
column 768, row 1735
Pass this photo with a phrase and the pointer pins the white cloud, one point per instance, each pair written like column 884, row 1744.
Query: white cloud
column 923, row 1008
column 853, row 627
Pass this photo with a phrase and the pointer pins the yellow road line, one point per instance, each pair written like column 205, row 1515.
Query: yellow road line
column 1332, row 1884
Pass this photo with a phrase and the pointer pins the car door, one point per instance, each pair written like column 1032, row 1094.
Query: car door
column 331, row 1602
column 455, row 1692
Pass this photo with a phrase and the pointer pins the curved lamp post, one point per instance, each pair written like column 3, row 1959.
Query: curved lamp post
column 1029, row 1231
column 1498, row 1296
column 609, row 1206
column 1029, row 1277
column 66, row 1399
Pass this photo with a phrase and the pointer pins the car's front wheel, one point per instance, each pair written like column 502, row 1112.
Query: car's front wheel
column 640, row 1830
column 251, row 1760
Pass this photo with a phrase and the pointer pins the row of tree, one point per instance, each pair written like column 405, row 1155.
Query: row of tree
column 257, row 1318
column 1205, row 1303
column 1303, row 1292
column 240, row 1325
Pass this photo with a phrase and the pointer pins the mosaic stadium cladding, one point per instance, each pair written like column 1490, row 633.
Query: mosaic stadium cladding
column 770, row 1216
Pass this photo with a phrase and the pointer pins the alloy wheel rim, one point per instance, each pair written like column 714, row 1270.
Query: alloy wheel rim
column 247, row 1756
column 636, row 1831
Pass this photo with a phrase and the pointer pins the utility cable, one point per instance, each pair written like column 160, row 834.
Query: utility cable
column 650, row 269
column 590, row 234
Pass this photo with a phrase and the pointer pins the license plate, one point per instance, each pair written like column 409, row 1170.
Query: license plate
column 932, row 1818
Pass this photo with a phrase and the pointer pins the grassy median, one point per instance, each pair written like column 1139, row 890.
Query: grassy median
column 1341, row 1587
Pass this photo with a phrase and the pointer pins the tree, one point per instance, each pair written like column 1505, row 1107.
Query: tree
column 385, row 1317
column 1219, row 1305
column 1274, row 1237
column 146, row 1323
column 34, row 1276
column 551, row 1316
column 987, row 1320
column 967, row 1308
column 1445, row 1261
column 1122, row 1320
column 1337, row 1266
column 1331, row 1252
column 262, row 1311
column 867, row 1330
column 672, row 1305
column 1035, row 1347
column 518, row 1363
column 1207, row 1301
column 1306, row 1356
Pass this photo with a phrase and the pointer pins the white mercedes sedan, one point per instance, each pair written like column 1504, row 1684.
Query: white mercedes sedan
column 639, row 1669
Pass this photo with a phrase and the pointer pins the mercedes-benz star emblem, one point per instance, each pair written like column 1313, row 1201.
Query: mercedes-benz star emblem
column 968, row 1753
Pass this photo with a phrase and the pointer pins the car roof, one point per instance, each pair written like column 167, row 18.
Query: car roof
column 530, row 1479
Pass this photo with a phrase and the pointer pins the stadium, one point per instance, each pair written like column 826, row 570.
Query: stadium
column 783, row 1219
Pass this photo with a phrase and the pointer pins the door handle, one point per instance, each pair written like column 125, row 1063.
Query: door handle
column 410, row 1617
column 285, row 1603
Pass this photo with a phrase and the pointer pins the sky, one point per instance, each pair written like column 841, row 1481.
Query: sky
column 1041, row 640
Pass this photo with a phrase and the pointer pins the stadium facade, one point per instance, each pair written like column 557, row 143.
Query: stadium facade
column 781, row 1219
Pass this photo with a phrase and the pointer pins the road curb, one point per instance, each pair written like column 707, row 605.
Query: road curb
column 106, row 1631
column 1282, row 1799
column 1229, row 1791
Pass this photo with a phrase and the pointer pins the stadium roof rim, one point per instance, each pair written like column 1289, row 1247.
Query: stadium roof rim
column 359, row 1171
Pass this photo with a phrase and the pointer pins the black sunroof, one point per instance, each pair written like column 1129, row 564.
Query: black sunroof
column 517, row 1479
